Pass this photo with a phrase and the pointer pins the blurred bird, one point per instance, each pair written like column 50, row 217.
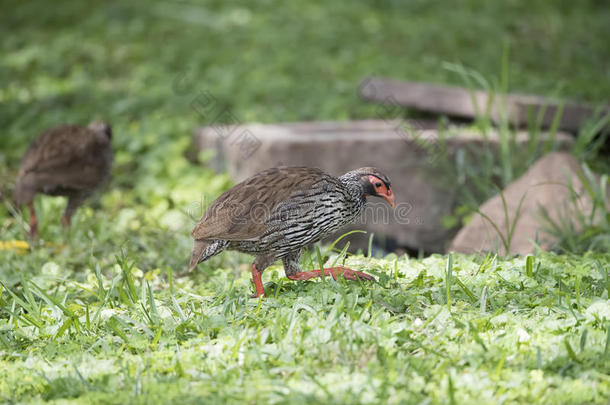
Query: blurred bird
column 275, row 213
column 68, row 160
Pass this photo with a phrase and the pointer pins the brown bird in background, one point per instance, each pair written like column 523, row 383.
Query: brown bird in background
column 68, row 160
column 275, row 213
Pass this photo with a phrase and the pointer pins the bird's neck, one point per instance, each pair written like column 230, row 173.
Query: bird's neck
column 355, row 190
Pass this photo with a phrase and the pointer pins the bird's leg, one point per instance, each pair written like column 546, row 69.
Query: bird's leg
column 348, row 274
column 261, row 262
column 73, row 203
column 258, row 282
column 293, row 271
column 33, row 221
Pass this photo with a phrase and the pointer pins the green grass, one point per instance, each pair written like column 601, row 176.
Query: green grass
column 497, row 333
column 577, row 231
column 101, row 314
column 274, row 62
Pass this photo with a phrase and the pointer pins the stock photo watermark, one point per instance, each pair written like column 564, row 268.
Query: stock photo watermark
column 390, row 111
column 224, row 123
column 261, row 213
column 227, row 127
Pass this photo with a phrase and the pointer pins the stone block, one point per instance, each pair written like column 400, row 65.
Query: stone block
column 460, row 102
column 404, row 150
column 548, row 183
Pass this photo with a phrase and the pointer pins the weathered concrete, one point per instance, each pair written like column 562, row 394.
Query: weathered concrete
column 405, row 150
column 460, row 102
column 546, row 184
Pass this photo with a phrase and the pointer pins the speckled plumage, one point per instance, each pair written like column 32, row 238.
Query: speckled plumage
column 275, row 213
column 68, row 160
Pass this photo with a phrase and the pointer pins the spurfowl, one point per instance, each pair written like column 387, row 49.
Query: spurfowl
column 67, row 160
column 275, row 213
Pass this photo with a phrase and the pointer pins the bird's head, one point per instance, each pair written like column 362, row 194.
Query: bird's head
column 102, row 127
column 373, row 183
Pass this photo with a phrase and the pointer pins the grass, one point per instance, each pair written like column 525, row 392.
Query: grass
column 148, row 60
column 475, row 173
column 493, row 330
column 580, row 228
column 102, row 314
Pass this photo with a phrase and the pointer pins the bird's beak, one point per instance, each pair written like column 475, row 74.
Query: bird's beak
column 389, row 197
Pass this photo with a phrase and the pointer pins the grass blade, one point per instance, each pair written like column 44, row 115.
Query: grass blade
column 448, row 272
column 529, row 266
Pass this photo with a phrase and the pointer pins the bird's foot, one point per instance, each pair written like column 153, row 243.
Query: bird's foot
column 258, row 283
column 347, row 273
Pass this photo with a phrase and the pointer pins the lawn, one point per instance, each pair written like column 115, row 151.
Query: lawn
column 103, row 313
column 492, row 331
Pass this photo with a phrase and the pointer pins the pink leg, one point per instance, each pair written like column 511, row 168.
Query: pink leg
column 348, row 274
column 33, row 221
column 258, row 282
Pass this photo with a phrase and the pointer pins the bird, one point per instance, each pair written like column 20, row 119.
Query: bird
column 275, row 213
column 66, row 160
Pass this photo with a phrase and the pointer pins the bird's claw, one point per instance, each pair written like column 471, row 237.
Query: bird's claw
column 355, row 275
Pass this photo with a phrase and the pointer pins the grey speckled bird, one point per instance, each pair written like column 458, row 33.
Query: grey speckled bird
column 275, row 213
column 68, row 160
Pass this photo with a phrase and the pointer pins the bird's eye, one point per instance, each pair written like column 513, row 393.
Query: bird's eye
column 378, row 184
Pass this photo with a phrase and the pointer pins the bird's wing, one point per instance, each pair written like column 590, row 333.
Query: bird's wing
column 66, row 156
column 241, row 213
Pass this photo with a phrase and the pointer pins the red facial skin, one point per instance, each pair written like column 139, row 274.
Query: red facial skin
column 383, row 191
